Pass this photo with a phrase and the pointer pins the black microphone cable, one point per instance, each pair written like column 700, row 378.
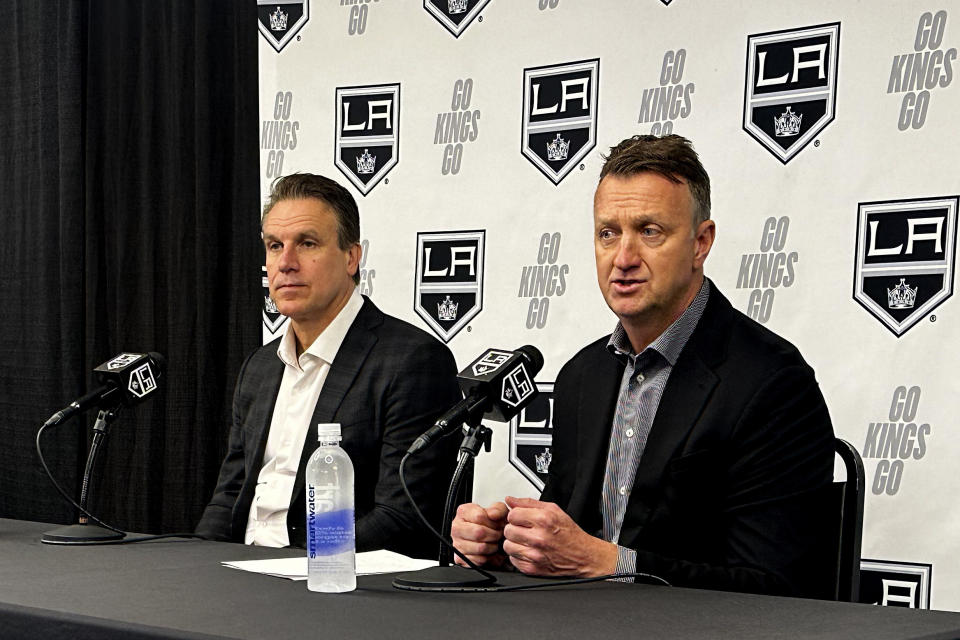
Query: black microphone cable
column 448, row 543
column 92, row 517
column 649, row 578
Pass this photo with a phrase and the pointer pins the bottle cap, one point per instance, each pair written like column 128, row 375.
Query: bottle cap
column 328, row 430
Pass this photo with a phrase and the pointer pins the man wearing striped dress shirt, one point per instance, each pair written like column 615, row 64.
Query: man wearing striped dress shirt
column 692, row 443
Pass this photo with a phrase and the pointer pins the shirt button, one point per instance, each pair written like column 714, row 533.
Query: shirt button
column 640, row 377
column 623, row 491
column 629, row 433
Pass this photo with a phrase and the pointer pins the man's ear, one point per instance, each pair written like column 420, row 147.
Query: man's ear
column 354, row 254
column 702, row 242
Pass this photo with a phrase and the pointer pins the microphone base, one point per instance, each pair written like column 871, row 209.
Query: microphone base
column 80, row 534
column 443, row 579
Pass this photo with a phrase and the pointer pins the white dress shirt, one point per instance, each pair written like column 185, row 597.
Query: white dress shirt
column 300, row 388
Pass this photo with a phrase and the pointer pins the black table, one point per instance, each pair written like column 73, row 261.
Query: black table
column 178, row 589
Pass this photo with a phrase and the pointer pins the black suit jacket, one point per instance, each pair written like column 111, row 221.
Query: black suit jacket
column 387, row 384
column 731, row 490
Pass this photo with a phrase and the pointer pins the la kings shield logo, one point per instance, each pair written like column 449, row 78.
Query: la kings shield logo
column 905, row 256
column 560, row 116
column 895, row 584
column 791, row 87
column 272, row 318
column 531, row 437
column 448, row 291
column 455, row 15
column 280, row 20
column 367, row 144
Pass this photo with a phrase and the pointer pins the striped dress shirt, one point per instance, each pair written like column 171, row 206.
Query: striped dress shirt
column 644, row 377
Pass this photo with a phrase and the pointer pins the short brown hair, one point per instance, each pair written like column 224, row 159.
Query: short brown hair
column 670, row 156
column 297, row 186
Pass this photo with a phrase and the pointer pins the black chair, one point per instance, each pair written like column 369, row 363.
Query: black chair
column 850, row 494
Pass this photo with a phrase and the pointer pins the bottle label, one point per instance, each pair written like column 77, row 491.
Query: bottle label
column 329, row 533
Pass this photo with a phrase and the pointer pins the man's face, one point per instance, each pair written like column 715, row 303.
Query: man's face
column 649, row 258
column 310, row 276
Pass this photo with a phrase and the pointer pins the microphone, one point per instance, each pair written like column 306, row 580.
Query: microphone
column 127, row 378
column 497, row 385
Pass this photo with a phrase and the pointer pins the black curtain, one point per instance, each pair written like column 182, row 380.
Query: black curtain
column 130, row 197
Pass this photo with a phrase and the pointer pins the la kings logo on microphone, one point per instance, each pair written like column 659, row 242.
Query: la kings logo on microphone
column 531, row 437
column 135, row 372
column 791, row 87
column 367, row 144
column 904, row 259
column 895, row 584
column 448, row 291
column 280, row 20
column 560, row 115
column 455, row 15
column 490, row 362
column 142, row 381
column 122, row 360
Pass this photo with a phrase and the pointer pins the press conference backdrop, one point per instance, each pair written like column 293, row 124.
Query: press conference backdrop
column 471, row 133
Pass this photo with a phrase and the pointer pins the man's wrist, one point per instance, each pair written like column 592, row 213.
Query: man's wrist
column 605, row 560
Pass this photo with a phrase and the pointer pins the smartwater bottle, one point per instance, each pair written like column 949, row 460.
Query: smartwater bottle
column 331, row 565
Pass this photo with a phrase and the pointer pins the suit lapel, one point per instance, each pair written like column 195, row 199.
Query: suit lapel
column 346, row 365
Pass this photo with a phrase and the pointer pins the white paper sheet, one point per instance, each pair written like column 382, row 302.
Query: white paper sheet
column 368, row 562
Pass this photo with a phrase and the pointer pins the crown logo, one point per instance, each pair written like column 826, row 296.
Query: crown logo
column 447, row 310
column 787, row 123
column 278, row 20
column 270, row 305
column 456, row 6
column 543, row 460
column 558, row 149
column 366, row 163
column 902, row 296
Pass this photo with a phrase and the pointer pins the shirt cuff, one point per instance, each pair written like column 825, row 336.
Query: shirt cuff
column 626, row 562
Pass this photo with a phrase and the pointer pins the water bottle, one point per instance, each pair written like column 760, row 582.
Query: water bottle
column 331, row 543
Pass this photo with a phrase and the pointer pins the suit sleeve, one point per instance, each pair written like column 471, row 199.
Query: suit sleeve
column 772, row 529
column 217, row 518
column 417, row 394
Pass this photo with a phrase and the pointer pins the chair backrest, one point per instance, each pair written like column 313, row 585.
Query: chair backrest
column 851, row 494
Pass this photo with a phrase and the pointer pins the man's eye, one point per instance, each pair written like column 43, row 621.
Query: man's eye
column 650, row 231
column 605, row 234
column 274, row 246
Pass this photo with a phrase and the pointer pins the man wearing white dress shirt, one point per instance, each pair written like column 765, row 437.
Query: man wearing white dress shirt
column 341, row 360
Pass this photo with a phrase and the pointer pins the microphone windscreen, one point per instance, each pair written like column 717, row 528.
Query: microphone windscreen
column 160, row 361
column 534, row 358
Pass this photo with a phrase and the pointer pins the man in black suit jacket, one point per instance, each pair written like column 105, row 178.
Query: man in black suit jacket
column 382, row 379
column 726, row 489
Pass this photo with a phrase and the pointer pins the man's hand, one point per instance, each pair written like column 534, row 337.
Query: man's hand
column 543, row 540
column 477, row 532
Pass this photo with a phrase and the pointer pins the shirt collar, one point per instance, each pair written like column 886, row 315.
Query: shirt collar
column 327, row 344
column 671, row 342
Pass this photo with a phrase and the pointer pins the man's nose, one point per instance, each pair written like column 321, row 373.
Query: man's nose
column 627, row 256
column 287, row 261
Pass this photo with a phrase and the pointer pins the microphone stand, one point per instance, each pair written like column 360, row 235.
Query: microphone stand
column 84, row 531
column 447, row 577
column 476, row 436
